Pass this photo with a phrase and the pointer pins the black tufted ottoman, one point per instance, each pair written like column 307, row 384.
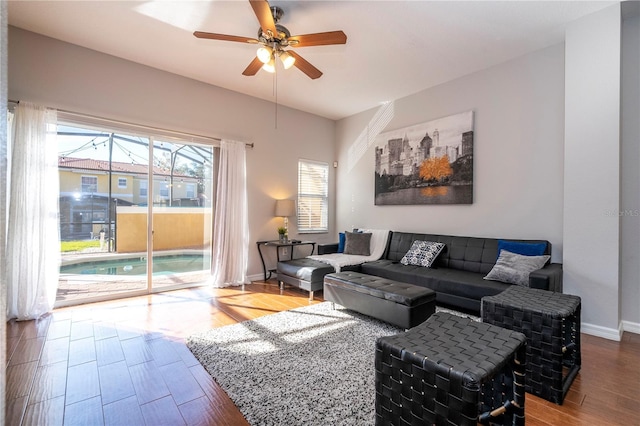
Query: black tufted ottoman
column 401, row 304
column 451, row 370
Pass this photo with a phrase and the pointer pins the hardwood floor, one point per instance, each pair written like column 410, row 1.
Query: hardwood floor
column 125, row 363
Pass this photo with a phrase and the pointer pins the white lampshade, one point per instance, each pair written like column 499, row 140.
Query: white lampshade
column 270, row 66
column 285, row 208
column 287, row 59
column 264, row 54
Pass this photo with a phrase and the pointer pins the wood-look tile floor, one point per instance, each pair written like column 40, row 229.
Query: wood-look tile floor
column 125, row 363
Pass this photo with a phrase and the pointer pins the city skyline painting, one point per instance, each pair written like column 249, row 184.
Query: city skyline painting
column 427, row 163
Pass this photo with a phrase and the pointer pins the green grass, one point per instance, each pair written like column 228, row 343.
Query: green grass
column 66, row 246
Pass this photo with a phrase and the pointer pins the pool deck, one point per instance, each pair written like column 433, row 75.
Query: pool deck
column 75, row 288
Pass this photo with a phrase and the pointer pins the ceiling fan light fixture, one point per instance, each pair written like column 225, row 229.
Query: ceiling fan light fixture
column 287, row 59
column 264, row 54
column 270, row 66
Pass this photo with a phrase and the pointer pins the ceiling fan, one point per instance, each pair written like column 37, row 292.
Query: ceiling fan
column 273, row 38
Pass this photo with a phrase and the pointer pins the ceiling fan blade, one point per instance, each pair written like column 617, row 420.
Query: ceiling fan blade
column 253, row 67
column 263, row 12
column 224, row 37
column 318, row 39
column 304, row 66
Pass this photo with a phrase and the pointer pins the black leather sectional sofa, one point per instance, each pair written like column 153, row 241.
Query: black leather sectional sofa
column 457, row 273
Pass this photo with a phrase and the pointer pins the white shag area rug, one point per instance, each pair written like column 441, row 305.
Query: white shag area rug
column 307, row 366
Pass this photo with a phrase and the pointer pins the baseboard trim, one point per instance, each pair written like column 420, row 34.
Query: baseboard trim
column 631, row 327
column 256, row 277
column 604, row 332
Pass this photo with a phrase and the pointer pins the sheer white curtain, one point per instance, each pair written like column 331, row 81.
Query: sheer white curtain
column 231, row 224
column 33, row 239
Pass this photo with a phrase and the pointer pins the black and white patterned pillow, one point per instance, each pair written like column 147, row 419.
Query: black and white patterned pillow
column 515, row 268
column 422, row 253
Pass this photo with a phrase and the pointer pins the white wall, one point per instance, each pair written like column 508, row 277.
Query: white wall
column 518, row 155
column 592, row 168
column 3, row 199
column 65, row 76
column 630, row 182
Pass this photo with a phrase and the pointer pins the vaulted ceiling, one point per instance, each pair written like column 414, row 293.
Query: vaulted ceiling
column 393, row 49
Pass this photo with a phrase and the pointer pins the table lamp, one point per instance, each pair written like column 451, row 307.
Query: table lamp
column 285, row 208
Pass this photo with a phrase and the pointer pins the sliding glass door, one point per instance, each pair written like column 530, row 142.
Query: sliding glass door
column 135, row 213
column 181, row 213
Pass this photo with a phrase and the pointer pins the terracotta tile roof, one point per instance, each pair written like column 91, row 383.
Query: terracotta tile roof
column 103, row 166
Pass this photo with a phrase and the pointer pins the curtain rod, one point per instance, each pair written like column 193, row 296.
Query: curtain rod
column 139, row 126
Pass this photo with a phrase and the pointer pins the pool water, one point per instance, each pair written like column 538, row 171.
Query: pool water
column 138, row 265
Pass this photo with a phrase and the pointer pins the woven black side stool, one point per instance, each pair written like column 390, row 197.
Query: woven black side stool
column 450, row 370
column 551, row 322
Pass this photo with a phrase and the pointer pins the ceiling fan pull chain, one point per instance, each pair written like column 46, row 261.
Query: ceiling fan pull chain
column 275, row 84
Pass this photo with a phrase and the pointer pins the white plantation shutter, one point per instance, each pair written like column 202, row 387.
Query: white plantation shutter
column 313, row 196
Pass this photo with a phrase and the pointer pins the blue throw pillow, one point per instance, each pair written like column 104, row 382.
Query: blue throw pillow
column 341, row 239
column 524, row 249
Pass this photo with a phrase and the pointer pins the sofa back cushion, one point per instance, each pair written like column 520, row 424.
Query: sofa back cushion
column 471, row 254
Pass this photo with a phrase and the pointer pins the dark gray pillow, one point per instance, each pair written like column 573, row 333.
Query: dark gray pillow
column 515, row 268
column 357, row 243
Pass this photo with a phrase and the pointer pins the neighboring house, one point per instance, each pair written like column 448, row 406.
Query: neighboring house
column 84, row 192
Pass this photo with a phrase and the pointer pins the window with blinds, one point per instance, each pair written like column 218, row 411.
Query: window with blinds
column 313, row 196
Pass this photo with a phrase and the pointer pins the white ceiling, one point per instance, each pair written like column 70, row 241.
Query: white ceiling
column 394, row 48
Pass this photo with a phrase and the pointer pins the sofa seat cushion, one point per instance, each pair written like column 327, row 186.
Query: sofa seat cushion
column 305, row 269
column 391, row 270
column 459, row 283
column 454, row 282
column 381, row 288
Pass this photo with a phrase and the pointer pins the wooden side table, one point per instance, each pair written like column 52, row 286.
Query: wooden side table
column 278, row 245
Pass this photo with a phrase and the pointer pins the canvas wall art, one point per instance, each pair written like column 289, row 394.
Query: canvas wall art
column 428, row 163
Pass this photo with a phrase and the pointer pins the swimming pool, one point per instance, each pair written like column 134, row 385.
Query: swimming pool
column 162, row 265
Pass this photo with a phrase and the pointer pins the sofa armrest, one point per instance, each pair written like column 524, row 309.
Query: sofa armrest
column 327, row 248
column 547, row 278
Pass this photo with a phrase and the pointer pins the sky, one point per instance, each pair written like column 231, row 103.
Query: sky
column 450, row 129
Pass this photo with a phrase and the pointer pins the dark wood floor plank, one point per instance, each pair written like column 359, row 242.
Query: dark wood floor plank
column 49, row 412
column 163, row 351
column 200, row 412
column 27, row 350
column 126, row 331
column 55, row 351
column 109, row 351
column 82, row 351
column 148, row 382
column 104, row 330
column 19, row 379
column 136, row 350
column 81, row 329
column 58, row 329
column 162, row 412
column 115, row 382
column 218, row 398
column 36, row 328
column 181, row 383
column 82, row 382
column 123, row 412
column 84, row 413
column 50, row 382
column 14, row 410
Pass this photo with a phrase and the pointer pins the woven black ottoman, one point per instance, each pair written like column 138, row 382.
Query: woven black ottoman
column 450, row 370
column 401, row 304
column 551, row 322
